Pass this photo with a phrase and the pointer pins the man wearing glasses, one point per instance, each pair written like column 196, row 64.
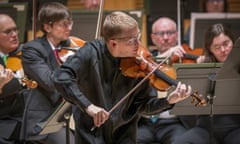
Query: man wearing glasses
column 162, row 128
column 165, row 37
column 11, row 96
column 40, row 57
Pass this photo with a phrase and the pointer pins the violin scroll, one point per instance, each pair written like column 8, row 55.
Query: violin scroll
column 15, row 64
column 197, row 99
column 29, row 83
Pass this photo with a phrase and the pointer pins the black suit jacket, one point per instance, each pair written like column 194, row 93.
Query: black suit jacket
column 39, row 63
column 11, row 109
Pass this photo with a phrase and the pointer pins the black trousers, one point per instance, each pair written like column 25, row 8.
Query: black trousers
column 199, row 135
column 163, row 131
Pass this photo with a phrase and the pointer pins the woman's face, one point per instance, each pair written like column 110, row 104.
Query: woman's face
column 215, row 6
column 221, row 47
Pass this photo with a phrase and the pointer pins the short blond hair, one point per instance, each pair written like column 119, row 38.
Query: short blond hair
column 117, row 23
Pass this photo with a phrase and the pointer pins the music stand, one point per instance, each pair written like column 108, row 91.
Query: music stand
column 59, row 118
column 198, row 76
column 221, row 81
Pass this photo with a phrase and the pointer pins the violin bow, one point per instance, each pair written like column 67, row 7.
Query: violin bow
column 135, row 87
column 34, row 19
column 138, row 85
column 99, row 22
column 179, row 21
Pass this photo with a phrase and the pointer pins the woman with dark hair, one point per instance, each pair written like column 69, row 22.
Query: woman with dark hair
column 218, row 129
column 214, row 52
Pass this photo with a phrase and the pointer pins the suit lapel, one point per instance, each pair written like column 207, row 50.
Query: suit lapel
column 53, row 62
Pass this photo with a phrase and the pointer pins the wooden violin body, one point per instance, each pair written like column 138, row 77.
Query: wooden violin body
column 190, row 56
column 15, row 64
column 141, row 66
column 162, row 78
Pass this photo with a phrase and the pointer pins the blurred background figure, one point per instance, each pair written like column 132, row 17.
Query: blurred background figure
column 209, row 6
column 214, row 6
column 91, row 4
column 12, row 90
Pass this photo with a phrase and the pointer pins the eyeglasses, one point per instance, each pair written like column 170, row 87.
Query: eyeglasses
column 64, row 24
column 10, row 31
column 130, row 40
column 168, row 33
column 224, row 45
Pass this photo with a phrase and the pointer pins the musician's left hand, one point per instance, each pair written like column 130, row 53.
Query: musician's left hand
column 180, row 93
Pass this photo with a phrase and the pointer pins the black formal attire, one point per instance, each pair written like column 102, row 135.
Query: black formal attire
column 159, row 130
column 11, row 110
column 219, row 129
column 39, row 63
column 93, row 76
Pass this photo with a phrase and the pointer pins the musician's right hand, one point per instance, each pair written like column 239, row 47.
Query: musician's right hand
column 5, row 76
column 98, row 114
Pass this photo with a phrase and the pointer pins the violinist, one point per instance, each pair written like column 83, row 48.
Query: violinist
column 216, row 129
column 12, row 91
column 40, row 58
column 92, row 80
column 163, row 128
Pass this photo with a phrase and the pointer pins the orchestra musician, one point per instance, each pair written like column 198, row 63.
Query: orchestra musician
column 163, row 128
column 40, row 58
column 218, row 129
column 12, row 90
column 92, row 80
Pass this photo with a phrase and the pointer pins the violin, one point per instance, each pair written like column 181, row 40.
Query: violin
column 162, row 78
column 65, row 51
column 190, row 56
column 14, row 63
